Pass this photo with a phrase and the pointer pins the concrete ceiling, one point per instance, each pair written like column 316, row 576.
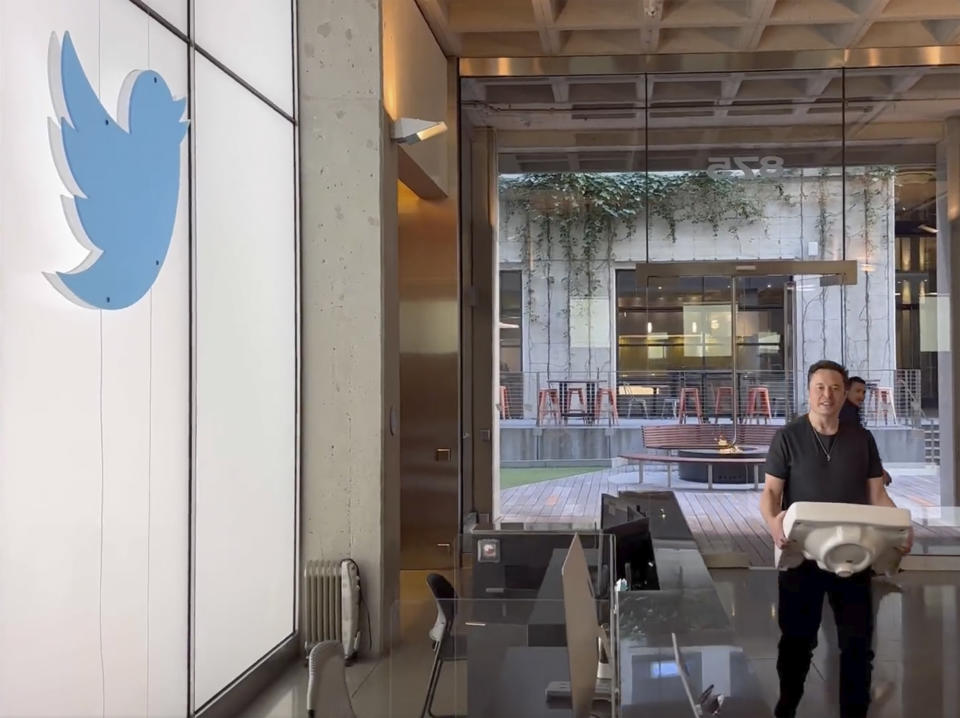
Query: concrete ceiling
column 605, row 123
column 673, row 122
column 523, row 28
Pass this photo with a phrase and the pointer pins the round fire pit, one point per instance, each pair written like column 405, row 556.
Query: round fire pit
column 723, row 473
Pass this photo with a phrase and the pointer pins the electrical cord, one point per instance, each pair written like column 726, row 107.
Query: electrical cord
column 363, row 604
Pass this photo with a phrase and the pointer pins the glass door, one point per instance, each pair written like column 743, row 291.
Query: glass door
column 685, row 351
column 763, row 382
column 722, row 342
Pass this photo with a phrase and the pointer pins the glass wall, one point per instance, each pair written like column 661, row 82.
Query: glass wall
column 828, row 174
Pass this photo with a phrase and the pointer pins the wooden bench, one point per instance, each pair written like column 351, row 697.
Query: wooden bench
column 705, row 436
column 672, row 437
column 670, row 460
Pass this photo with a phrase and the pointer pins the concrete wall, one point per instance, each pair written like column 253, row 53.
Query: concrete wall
column 811, row 219
column 362, row 64
column 862, row 334
column 549, row 444
column 348, row 190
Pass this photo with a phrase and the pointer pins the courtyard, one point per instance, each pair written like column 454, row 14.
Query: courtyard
column 726, row 522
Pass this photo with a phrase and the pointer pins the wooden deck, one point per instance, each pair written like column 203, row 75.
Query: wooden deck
column 726, row 523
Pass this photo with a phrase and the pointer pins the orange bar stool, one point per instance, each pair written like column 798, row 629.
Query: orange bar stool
column 611, row 407
column 548, row 404
column 722, row 393
column 758, row 404
column 693, row 393
column 576, row 391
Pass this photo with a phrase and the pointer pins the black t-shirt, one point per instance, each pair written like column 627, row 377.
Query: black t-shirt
column 850, row 412
column 797, row 457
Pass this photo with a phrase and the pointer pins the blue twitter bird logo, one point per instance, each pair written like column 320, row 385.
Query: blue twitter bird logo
column 124, row 177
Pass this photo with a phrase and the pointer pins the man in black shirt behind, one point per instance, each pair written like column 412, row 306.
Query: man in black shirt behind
column 818, row 458
column 852, row 409
column 853, row 403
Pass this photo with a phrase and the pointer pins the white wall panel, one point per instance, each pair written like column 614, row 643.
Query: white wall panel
column 254, row 38
column 246, row 381
column 59, row 383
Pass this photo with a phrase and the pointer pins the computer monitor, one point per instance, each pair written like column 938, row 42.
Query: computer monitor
column 633, row 559
column 615, row 511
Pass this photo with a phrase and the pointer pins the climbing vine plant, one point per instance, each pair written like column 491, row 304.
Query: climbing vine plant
column 575, row 218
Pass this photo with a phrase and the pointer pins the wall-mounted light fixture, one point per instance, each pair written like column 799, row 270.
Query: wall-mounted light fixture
column 409, row 130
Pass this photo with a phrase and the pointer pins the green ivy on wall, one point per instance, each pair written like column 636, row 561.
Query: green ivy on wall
column 601, row 202
column 575, row 218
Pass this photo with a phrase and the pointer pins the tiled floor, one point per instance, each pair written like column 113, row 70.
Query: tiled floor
column 723, row 521
column 917, row 644
column 393, row 687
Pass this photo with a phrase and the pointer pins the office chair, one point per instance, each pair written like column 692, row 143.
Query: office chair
column 327, row 684
column 446, row 644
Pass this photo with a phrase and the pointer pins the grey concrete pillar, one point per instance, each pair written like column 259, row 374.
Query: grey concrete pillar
column 350, row 483
column 948, row 274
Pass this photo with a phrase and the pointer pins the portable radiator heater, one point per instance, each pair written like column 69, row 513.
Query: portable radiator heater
column 331, row 605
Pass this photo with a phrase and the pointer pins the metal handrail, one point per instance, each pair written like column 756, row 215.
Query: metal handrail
column 661, row 391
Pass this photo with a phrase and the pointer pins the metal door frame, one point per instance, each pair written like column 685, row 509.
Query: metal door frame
column 854, row 58
column 845, row 272
column 846, row 269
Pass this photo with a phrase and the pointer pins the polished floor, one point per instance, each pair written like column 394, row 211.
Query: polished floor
column 393, row 687
column 917, row 646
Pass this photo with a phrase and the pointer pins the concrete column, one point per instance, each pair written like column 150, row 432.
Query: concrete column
column 948, row 272
column 350, row 485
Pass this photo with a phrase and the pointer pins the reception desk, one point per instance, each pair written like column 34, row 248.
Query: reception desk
column 512, row 659
column 686, row 605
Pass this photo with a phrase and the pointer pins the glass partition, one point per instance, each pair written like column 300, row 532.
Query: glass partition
column 498, row 626
column 487, row 665
column 609, row 183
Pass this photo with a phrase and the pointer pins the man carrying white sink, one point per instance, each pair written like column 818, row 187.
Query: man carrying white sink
column 817, row 459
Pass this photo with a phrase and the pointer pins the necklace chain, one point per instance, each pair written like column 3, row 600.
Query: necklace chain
column 822, row 447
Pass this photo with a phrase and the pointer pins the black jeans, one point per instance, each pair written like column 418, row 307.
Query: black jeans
column 801, row 606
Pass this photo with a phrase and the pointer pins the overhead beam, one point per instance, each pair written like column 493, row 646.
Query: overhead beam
column 729, row 89
column 816, row 86
column 899, row 87
column 680, row 137
column 947, row 32
column 750, row 35
column 561, row 90
column 650, row 30
column 545, row 13
column 436, row 16
column 868, row 11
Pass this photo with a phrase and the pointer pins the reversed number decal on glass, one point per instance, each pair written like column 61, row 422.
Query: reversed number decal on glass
column 769, row 166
